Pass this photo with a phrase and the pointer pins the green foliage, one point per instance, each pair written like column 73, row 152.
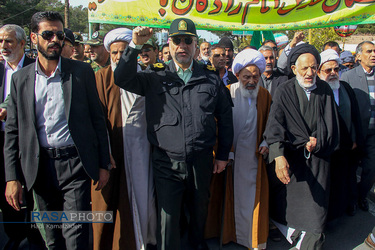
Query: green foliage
column 318, row 36
column 366, row 29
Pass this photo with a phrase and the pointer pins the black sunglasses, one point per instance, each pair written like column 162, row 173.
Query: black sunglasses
column 48, row 35
column 327, row 71
column 187, row 40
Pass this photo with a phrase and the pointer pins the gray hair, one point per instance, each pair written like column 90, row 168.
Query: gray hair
column 358, row 50
column 20, row 33
column 265, row 48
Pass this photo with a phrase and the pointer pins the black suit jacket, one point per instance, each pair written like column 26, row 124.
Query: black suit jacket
column 277, row 79
column 83, row 112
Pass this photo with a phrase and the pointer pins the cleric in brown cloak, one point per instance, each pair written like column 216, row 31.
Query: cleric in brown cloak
column 302, row 133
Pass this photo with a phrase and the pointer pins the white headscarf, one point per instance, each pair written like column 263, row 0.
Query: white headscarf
column 329, row 55
column 248, row 57
column 119, row 34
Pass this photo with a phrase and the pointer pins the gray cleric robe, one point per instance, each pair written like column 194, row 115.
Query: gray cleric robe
column 302, row 204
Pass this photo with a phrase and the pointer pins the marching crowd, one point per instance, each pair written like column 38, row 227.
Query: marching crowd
column 182, row 139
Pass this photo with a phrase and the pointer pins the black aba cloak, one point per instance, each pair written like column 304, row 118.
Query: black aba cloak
column 302, row 204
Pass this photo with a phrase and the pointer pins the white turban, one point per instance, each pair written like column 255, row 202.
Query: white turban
column 248, row 57
column 116, row 35
column 329, row 55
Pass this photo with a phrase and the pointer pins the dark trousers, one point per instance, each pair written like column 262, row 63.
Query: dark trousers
column 179, row 184
column 16, row 232
column 63, row 185
column 368, row 167
column 310, row 241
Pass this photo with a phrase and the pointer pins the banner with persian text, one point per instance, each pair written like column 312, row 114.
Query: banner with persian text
column 234, row 14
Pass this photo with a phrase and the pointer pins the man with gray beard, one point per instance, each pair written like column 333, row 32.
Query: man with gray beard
column 247, row 178
column 343, row 162
column 302, row 133
column 130, row 190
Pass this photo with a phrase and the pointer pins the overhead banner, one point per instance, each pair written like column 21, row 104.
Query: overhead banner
column 234, row 14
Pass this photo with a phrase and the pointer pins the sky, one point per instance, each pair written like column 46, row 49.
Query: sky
column 77, row 2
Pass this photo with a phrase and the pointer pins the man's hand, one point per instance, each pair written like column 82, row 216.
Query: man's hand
column 103, row 178
column 113, row 163
column 263, row 150
column 298, row 37
column 354, row 146
column 3, row 114
column 13, row 194
column 281, row 169
column 310, row 146
column 219, row 166
column 141, row 35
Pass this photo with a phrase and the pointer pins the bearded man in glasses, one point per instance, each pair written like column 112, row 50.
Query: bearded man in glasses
column 55, row 137
column 343, row 162
column 183, row 99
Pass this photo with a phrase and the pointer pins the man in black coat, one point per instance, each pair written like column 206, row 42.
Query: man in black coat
column 55, row 135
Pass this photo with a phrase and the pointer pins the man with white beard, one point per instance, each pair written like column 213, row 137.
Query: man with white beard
column 205, row 51
column 129, row 191
column 302, row 133
column 248, row 195
column 343, row 162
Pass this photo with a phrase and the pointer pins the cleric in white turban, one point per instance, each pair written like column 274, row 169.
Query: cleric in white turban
column 248, row 57
column 119, row 34
column 248, row 194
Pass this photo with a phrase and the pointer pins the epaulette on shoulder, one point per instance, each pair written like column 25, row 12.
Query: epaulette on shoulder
column 157, row 66
column 209, row 67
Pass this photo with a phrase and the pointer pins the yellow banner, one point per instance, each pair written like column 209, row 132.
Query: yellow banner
column 234, row 14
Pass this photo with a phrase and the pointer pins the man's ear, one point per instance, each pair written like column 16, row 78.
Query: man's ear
column 294, row 69
column 34, row 38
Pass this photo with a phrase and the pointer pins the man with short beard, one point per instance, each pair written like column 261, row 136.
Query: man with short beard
column 98, row 54
column 247, row 180
column 362, row 80
column 12, row 45
column 271, row 77
column 204, row 53
column 55, row 122
column 302, row 133
column 130, row 190
column 343, row 174
column 148, row 54
column 217, row 59
column 228, row 45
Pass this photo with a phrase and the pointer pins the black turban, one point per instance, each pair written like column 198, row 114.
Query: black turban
column 299, row 50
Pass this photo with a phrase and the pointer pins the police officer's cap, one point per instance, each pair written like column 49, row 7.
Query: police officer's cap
column 78, row 37
column 182, row 26
column 97, row 38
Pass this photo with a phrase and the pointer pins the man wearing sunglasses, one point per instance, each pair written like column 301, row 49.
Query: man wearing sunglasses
column 343, row 161
column 55, row 136
column 183, row 99
column 217, row 59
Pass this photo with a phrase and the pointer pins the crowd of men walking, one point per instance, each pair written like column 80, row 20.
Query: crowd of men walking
column 183, row 140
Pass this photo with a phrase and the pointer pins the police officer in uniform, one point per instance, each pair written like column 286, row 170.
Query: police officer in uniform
column 183, row 99
column 98, row 54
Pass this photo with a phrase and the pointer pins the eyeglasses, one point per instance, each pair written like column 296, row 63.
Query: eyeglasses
column 274, row 48
column 218, row 55
column 48, row 35
column 327, row 71
column 187, row 40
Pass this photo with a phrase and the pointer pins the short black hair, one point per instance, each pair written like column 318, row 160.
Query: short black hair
column 165, row 45
column 44, row 16
column 331, row 44
column 269, row 41
column 217, row 45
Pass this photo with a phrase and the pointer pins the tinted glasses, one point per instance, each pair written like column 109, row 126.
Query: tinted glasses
column 177, row 40
column 48, row 35
column 327, row 71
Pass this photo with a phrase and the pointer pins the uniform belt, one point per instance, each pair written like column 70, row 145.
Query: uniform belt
column 57, row 153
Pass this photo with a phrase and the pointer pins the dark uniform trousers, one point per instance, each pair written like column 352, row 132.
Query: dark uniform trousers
column 63, row 185
column 180, row 183
column 368, row 166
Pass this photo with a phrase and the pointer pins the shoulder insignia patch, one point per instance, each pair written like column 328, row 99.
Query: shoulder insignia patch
column 210, row 67
column 157, row 66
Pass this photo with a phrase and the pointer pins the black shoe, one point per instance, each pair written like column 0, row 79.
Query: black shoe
column 352, row 209
column 275, row 235
column 363, row 204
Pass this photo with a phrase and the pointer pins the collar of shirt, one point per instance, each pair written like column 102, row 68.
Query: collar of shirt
column 39, row 71
column 368, row 74
column 185, row 75
column 19, row 66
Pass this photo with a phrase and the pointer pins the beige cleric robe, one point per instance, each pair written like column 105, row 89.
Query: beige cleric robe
column 259, row 227
column 127, row 130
